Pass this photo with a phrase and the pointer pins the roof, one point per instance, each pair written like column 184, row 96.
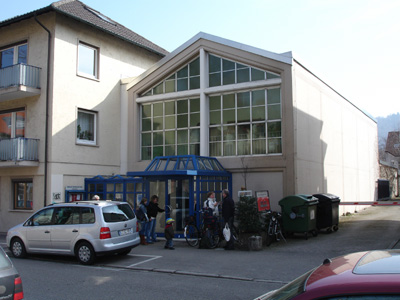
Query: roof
column 83, row 13
column 393, row 143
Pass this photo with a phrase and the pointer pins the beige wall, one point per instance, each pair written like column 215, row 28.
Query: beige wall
column 336, row 144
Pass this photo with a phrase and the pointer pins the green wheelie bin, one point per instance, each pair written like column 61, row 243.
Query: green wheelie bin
column 299, row 214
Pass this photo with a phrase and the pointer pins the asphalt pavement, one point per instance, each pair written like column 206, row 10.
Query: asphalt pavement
column 372, row 228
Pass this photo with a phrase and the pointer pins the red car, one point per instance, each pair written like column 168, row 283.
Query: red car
column 362, row 275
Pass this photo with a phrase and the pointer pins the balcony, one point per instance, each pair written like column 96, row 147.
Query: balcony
column 19, row 81
column 19, row 152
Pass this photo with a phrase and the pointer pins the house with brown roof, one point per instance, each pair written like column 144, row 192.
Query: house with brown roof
column 61, row 103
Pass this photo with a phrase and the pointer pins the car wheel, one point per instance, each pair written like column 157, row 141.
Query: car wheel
column 85, row 253
column 18, row 248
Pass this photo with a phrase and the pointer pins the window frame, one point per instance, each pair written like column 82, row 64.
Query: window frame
column 96, row 61
column 15, row 48
column 15, row 194
column 14, row 121
column 86, row 142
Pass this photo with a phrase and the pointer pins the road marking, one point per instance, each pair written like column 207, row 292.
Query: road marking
column 152, row 257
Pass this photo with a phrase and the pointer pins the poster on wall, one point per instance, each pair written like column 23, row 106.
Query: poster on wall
column 263, row 200
column 247, row 193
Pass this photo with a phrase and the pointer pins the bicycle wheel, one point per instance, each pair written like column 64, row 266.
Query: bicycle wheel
column 212, row 239
column 192, row 235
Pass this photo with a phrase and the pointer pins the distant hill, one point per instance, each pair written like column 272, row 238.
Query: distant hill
column 385, row 125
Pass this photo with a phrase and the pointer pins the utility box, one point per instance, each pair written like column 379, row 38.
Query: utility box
column 299, row 214
column 327, row 212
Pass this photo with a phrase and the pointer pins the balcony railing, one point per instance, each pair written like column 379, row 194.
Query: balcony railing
column 20, row 74
column 19, row 149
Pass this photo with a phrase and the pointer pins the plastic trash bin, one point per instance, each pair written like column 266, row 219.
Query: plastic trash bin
column 299, row 214
column 327, row 212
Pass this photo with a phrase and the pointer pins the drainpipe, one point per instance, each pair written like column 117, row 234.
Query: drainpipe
column 47, row 110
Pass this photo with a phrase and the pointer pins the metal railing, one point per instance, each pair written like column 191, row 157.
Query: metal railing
column 19, row 149
column 20, row 75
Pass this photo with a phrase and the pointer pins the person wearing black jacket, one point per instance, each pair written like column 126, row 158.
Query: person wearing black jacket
column 228, row 213
column 152, row 210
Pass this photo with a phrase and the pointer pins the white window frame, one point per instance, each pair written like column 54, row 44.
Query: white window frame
column 86, row 141
column 94, row 74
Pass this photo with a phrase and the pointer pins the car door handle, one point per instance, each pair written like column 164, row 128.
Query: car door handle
column 75, row 230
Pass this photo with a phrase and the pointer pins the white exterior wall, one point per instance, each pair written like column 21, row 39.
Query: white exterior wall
column 335, row 143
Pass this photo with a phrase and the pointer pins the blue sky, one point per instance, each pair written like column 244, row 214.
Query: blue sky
column 351, row 45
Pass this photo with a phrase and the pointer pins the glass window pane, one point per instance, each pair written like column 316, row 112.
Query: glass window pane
column 229, row 148
column 146, row 153
column 146, row 111
column 258, row 97
column 215, row 134
column 215, row 117
column 182, row 106
column 194, row 149
column 257, row 74
column 182, row 149
column 170, row 86
column 274, row 129
column 229, row 133
column 243, row 132
column 157, row 138
column 274, row 112
column 182, row 121
column 243, row 75
column 194, row 105
column 194, row 119
column 274, row 146
column 146, row 124
column 158, row 110
column 194, row 67
column 274, row 96
column 228, row 116
column 243, row 147
column 215, row 149
column 7, row 58
column 170, row 122
column 87, row 60
column 5, row 125
column 170, row 108
column 158, row 89
column 182, row 73
column 258, row 130
column 182, row 85
column 228, row 101
column 194, row 82
column 214, row 64
column 86, row 126
column 182, row 136
column 215, row 102
column 214, row 79
column 158, row 123
column 228, row 65
column 271, row 76
column 20, row 124
column 240, row 66
column 22, row 54
column 195, row 135
column 258, row 113
column 243, row 99
column 146, row 139
column 259, row 146
column 243, row 114
column 169, row 137
column 158, row 151
column 170, row 150
column 228, row 77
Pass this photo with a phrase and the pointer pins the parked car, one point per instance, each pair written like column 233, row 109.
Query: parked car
column 361, row 275
column 85, row 229
column 10, row 281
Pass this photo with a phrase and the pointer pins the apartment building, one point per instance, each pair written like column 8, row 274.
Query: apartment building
column 60, row 102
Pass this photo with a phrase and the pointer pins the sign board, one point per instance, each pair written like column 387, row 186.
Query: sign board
column 263, row 200
column 247, row 193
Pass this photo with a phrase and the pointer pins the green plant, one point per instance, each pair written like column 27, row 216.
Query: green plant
column 248, row 215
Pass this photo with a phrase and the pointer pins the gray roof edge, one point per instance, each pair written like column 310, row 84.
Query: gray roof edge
column 285, row 57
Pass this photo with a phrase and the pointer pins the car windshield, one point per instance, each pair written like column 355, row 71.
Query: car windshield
column 294, row 288
column 4, row 261
column 118, row 213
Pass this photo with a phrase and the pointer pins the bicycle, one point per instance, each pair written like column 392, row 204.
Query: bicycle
column 274, row 230
column 207, row 232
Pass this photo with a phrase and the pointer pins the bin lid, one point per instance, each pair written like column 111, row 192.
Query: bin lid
column 327, row 197
column 297, row 200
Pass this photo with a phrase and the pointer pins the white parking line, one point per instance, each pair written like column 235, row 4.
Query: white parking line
column 152, row 257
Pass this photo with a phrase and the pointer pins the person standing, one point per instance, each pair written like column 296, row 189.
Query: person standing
column 169, row 234
column 228, row 213
column 212, row 203
column 144, row 221
column 152, row 210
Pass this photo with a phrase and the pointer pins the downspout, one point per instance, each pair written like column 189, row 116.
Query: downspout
column 47, row 110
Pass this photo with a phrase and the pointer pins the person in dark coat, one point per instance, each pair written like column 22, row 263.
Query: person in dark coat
column 152, row 210
column 228, row 213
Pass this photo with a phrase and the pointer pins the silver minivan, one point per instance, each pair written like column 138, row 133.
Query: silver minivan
column 85, row 229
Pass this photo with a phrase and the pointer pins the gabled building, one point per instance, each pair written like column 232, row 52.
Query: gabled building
column 61, row 113
column 267, row 118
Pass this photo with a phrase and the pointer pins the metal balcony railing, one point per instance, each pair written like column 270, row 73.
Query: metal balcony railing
column 19, row 149
column 20, row 75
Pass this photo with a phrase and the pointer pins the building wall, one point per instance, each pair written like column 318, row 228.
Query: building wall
column 336, row 143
